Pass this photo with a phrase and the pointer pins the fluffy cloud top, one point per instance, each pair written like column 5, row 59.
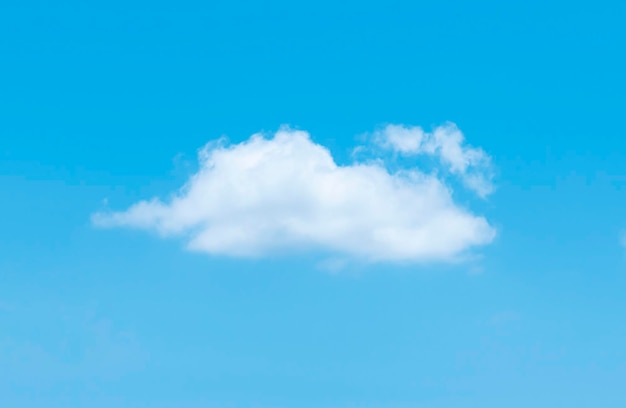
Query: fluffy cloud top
column 287, row 192
column 445, row 142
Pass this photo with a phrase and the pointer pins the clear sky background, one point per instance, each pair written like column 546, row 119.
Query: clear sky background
column 105, row 104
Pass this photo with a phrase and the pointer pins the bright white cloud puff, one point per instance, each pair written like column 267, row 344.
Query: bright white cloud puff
column 447, row 143
column 286, row 192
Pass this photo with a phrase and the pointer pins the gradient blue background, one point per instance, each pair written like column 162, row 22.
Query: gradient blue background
column 111, row 99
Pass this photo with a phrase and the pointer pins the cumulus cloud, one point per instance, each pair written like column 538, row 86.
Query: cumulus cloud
column 286, row 192
column 447, row 144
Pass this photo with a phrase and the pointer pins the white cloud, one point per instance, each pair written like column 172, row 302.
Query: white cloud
column 287, row 192
column 447, row 144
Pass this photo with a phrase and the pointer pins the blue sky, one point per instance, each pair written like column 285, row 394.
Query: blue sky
column 106, row 104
